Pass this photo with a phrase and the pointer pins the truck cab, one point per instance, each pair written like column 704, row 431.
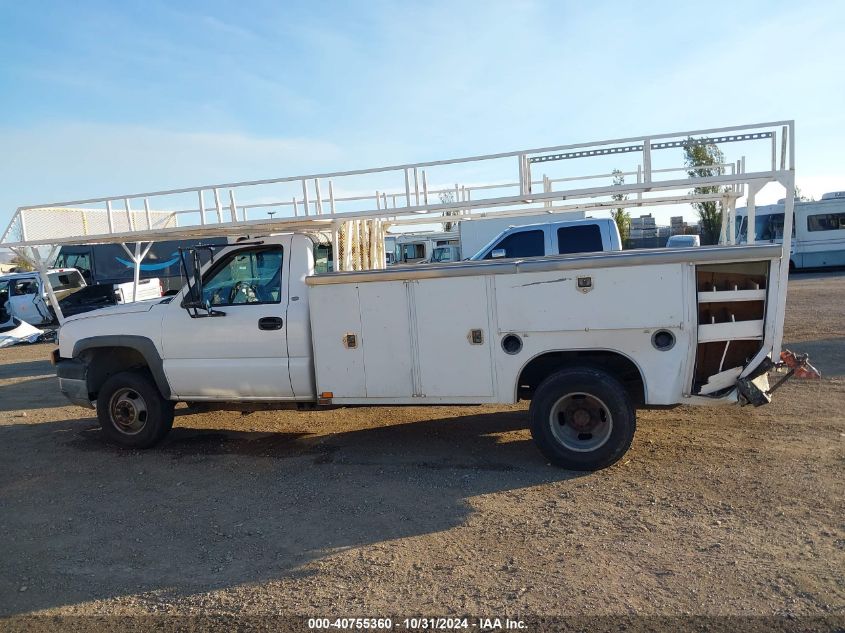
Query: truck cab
column 259, row 350
column 553, row 238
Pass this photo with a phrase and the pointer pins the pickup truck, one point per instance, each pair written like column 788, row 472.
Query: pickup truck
column 553, row 238
column 258, row 328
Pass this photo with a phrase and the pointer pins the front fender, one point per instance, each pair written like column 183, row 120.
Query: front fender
column 141, row 344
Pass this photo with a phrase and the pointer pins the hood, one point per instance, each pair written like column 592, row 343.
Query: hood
column 124, row 308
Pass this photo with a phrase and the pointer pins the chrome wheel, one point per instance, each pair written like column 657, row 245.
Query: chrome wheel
column 581, row 422
column 128, row 411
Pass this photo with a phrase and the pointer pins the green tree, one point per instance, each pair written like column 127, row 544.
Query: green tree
column 620, row 215
column 704, row 159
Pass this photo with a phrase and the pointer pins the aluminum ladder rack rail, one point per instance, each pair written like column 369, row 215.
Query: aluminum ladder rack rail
column 402, row 191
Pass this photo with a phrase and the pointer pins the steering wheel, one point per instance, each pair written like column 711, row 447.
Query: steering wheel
column 249, row 291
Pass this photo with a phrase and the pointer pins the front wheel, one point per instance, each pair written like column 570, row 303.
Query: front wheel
column 582, row 419
column 132, row 412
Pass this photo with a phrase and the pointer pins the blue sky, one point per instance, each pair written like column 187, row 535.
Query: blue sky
column 99, row 98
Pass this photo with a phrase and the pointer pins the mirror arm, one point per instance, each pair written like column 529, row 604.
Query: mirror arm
column 193, row 304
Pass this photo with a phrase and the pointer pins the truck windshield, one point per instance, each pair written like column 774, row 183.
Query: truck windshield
column 80, row 260
column 442, row 255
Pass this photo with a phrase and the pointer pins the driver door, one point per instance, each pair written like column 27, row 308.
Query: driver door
column 242, row 355
column 25, row 301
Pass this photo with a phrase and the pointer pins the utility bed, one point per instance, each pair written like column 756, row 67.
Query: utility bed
column 461, row 333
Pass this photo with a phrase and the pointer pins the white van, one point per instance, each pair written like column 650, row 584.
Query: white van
column 818, row 233
column 553, row 238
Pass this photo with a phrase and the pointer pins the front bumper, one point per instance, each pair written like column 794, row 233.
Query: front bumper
column 73, row 381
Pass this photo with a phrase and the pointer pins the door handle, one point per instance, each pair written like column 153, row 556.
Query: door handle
column 270, row 323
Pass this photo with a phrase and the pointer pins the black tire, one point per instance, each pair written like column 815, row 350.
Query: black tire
column 132, row 411
column 582, row 419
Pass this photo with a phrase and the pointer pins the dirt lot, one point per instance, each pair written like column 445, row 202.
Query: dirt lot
column 430, row 511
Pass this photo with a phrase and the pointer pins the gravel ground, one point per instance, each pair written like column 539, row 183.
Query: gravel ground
column 430, row 511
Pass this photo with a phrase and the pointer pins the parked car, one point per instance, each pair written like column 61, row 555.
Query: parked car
column 683, row 241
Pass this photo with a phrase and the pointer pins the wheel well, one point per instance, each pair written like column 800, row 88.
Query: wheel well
column 106, row 361
column 617, row 365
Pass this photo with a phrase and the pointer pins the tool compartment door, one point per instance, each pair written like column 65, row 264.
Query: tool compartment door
column 413, row 341
column 388, row 356
column 450, row 363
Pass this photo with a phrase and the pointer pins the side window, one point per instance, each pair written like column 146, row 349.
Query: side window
column 4, row 298
column 246, row 276
column 522, row 244
column 770, row 227
column 413, row 251
column 65, row 281
column 741, row 227
column 826, row 222
column 79, row 260
column 25, row 287
column 579, row 239
column 323, row 259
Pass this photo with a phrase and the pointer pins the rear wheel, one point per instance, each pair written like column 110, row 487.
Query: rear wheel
column 131, row 410
column 582, row 419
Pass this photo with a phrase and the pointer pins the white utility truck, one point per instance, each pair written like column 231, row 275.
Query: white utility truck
column 587, row 338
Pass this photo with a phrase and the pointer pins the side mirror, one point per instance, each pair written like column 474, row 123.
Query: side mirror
column 498, row 253
column 192, row 302
column 194, row 306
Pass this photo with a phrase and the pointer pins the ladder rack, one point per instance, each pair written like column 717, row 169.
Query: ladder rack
column 501, row 184
column 399, row 192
